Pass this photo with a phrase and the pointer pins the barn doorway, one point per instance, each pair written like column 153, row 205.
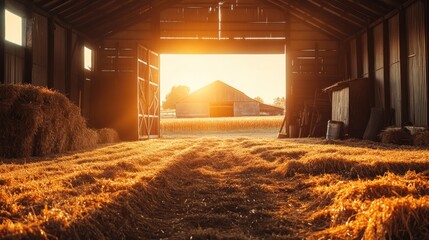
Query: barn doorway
column 225, row 91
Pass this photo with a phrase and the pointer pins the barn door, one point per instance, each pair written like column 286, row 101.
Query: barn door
column 148, row 93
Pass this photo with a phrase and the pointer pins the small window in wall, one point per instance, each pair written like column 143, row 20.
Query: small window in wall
column 87, row 59
column 13, row 28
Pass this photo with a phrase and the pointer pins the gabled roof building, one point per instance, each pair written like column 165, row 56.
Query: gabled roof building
column 218, row 99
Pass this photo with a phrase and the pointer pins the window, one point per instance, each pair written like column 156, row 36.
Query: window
column 13, row 28
column 87, row 59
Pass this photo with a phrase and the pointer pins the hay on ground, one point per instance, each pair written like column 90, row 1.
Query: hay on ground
column 396, row 136
column 421, row 139
column 107, row 135
column 36, row 121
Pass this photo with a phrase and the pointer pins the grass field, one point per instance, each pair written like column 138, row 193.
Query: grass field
column 259, row 126
column 219, row 188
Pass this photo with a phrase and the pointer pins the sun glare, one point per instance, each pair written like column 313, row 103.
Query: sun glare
column 256, row 75
column 13, row 28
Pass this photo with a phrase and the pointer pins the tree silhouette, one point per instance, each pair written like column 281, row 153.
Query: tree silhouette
column 259, row 99
column 279, row 102
column 176, row 94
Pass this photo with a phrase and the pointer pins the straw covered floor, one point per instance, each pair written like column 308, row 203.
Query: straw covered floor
column 219, row 188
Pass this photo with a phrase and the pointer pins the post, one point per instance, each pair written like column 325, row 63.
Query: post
column 51, row 52
column 2, row 39
column 28, row 61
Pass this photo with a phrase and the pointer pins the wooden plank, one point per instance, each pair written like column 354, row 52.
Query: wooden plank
column 2, row 37
column 386, row 58
column 28, row 61
column 371, row 58
column 51, row 51
column 68, row 61
column 404, row 68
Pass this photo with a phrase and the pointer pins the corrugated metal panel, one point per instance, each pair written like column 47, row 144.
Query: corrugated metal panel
column 40, row 51
column 379, row 66
column 395, row 69
column 416, row 38
column 364, row 48
column 60, row 59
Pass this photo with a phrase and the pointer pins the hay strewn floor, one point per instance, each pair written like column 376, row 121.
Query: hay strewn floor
column 219, row 188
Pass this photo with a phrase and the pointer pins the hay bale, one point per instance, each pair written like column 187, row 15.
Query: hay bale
column 421, row 139
column 36, row 121
column 396, row 136
column 107, row 135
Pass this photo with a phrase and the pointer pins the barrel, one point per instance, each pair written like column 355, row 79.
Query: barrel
column 334, row 130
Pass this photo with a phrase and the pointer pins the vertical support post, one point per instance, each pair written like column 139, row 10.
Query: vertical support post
column 427, row 53
column 2, row 39
column 386, row 68
column 51, row 51
column 371, row 61
column 69, row 61
column 156, row 32
column 403, row 46
column 359, row 57
column 288, row 62
column 28, row 62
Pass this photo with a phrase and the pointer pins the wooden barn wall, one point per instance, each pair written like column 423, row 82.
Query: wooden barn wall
column 416, row 50
column 395, row 69
column 394, row 53
column 59, row 79
column 340, row 106
column 364, row 52
column 379, row 95
column 15, row 54
column 40, row 50
column 114, row 93
column 353, row 59
column 77, row 71
column 51, row 55
column 313, row 63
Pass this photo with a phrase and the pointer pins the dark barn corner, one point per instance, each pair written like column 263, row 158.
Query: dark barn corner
column 365, row 54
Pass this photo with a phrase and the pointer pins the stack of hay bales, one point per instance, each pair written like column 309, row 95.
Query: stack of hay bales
column 405, row 136
column 35, row 121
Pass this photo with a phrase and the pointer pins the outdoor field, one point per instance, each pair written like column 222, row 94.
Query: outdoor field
column 219, row 187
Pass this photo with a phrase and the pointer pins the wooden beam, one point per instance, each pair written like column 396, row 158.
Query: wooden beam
column 2, row 39
column 342, row 11
column 221, row 46
column 28, row 61
column 427, row 53
column 125, row 11
column 386, row 72
column 403, row 45
column 326, row 17
column 69, row 61
column 371, row 61
column 51, row 51
column 309, row 20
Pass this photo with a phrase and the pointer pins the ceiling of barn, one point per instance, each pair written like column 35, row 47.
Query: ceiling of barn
column 98, row 18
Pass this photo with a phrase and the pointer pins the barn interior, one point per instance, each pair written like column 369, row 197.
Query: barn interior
column 366, row 54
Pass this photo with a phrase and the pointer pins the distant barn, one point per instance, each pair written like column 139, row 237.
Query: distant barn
column 218, row 99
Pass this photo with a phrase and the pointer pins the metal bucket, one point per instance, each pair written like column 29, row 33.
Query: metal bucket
column 334, row 130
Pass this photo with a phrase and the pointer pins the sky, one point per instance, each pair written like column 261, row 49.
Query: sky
column 255, row 75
